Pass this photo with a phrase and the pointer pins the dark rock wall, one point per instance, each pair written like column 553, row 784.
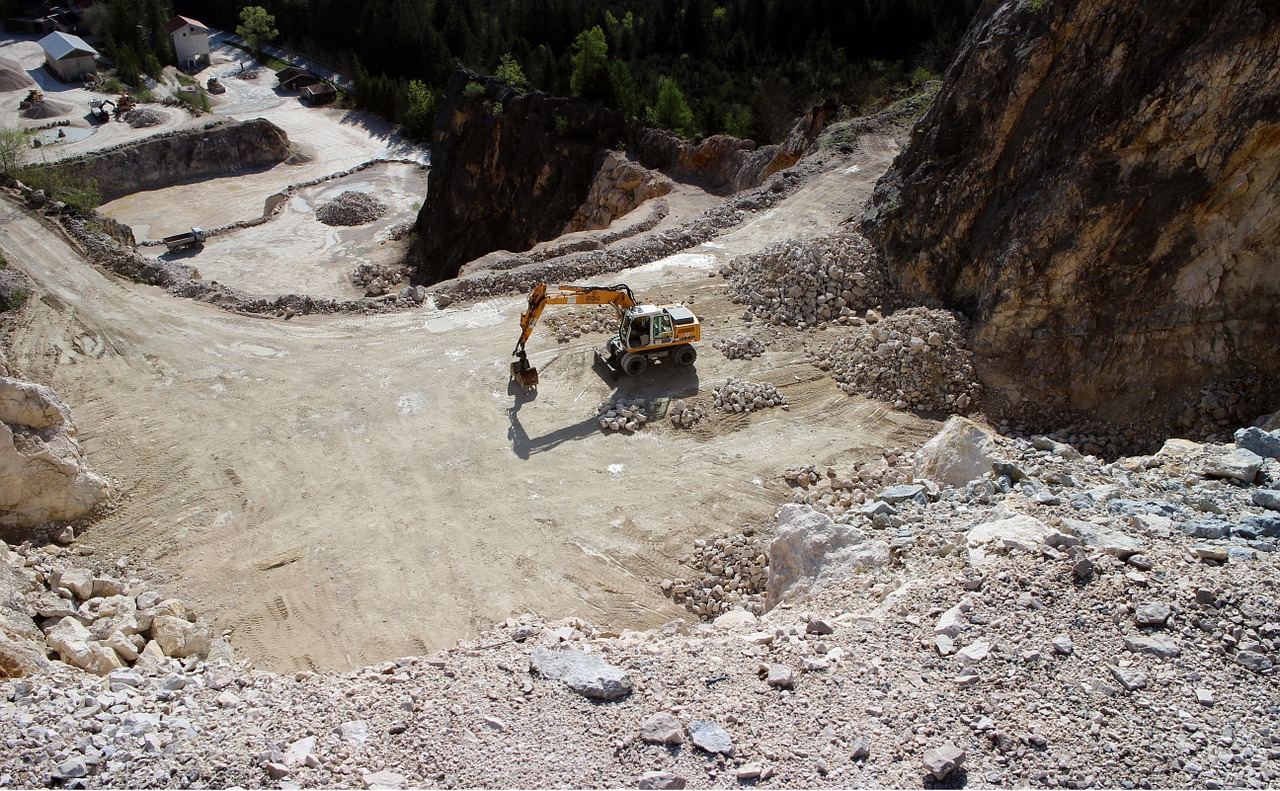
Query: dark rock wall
column 509, row 170
column 188, row 155
column 1096, row 186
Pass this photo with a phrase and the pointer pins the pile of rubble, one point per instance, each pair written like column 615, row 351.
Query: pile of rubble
column 739, row 347
column 686, row 415
column 805, row 283
column 140, row 117
column 378, row 279
column 739, row 395
column 914, row 359
column 93, row 621
column 732, row 573
column 623, row 415
column 568, row 325
column 836, row 493
column 351, row 208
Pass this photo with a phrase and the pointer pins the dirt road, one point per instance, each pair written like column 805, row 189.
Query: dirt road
column 340, row 490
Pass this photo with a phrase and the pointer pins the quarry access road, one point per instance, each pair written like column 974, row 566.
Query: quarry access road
column 338, row 490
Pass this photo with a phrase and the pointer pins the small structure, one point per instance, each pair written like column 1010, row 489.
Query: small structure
column 294, row 78
column 68, row 57
column 320, row 93
column 190, row 42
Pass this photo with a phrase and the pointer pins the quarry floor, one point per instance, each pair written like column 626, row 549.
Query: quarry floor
column 338, row 490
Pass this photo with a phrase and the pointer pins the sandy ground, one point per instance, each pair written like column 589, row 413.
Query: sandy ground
column 340, row 490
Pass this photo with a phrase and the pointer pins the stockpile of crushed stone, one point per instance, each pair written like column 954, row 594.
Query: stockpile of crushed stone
column 13, row 77
column 351, row 208
column 806, row 282
column 915, row 359
column 141, row 117
column 49, row 108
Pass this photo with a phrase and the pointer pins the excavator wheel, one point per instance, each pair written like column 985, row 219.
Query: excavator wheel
column 634, row 364
column 685, row 355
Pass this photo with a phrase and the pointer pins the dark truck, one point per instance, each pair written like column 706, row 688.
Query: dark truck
column 192, row 238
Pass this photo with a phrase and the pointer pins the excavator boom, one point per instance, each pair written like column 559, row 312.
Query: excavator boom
column 620, row 296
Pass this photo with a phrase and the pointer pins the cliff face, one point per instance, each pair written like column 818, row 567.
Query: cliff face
column 1096, row 186
column 186, row 155
column 509, row 170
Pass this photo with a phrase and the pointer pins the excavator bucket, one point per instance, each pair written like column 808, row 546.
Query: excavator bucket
column 526, row 375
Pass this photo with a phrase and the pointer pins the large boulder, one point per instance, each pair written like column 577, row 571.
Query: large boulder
column 179, row 637
column 810, row 550
column 957, row 454
column 586, row 674
column 44, row 473
column 1018, row 532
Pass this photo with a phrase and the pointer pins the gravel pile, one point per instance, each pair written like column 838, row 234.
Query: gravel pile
column 351, row 208
column 13, row 77
column 140, row 117
column 730, row 573
column 837, row 492
column 914, row 359
column 377, row 280
column 739, row 395
column 567, row 325
column 686, row 415
column 623, row 414
column 805, row 283
column 739, row 347
column 49, row 108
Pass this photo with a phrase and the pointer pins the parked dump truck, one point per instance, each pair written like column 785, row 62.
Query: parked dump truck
column 98, row 109
column 179, row 241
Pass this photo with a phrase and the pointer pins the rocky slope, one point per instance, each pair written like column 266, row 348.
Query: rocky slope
column 510, row 170
column 1095, row 187
column 218, row 149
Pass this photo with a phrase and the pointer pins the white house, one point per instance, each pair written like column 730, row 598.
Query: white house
column 68, row 57
column 190, row 42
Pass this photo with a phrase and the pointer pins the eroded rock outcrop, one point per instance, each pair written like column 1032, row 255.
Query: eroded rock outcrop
column 217, row 149
column 44, row 473
column 1095, row 186
column 510, row 170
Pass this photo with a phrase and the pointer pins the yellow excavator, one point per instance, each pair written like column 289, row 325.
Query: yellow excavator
column 645, row 332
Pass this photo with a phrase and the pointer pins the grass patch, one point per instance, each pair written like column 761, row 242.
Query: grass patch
column 82, row 197
column 187, row 80
column 18, row 298
column 195, row 100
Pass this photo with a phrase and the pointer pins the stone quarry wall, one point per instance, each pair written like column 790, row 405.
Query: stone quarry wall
column 620, row 185
column 217, row 149
column 510, row 170
column 1095, row 186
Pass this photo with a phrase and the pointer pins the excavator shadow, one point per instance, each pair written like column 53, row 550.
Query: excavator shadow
column 659, row 386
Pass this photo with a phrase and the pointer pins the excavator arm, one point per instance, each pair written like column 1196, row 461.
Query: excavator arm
column 619, row 296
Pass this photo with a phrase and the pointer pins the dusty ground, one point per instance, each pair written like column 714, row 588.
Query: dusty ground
column 339, row 490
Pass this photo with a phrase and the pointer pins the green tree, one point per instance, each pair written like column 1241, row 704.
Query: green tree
column 256, row 27
column 13, row 143
column 509, row 71
column 672, row 111
column 623, row 87
column 420, row 109
column 590, row 60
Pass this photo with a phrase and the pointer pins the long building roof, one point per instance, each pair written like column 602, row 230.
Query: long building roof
column 59, row 45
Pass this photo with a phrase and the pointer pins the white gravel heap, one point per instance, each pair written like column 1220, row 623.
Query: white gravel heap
column 804, row 283
column 685, row 415
column 739, row 395
column 739, row 347
column 623, row 415
column 733, row 572
column 571, row 324
column 140, row 117
column 913, row 359
column 351, row 208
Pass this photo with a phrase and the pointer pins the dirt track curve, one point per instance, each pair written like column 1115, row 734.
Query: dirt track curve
column 340, row 490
